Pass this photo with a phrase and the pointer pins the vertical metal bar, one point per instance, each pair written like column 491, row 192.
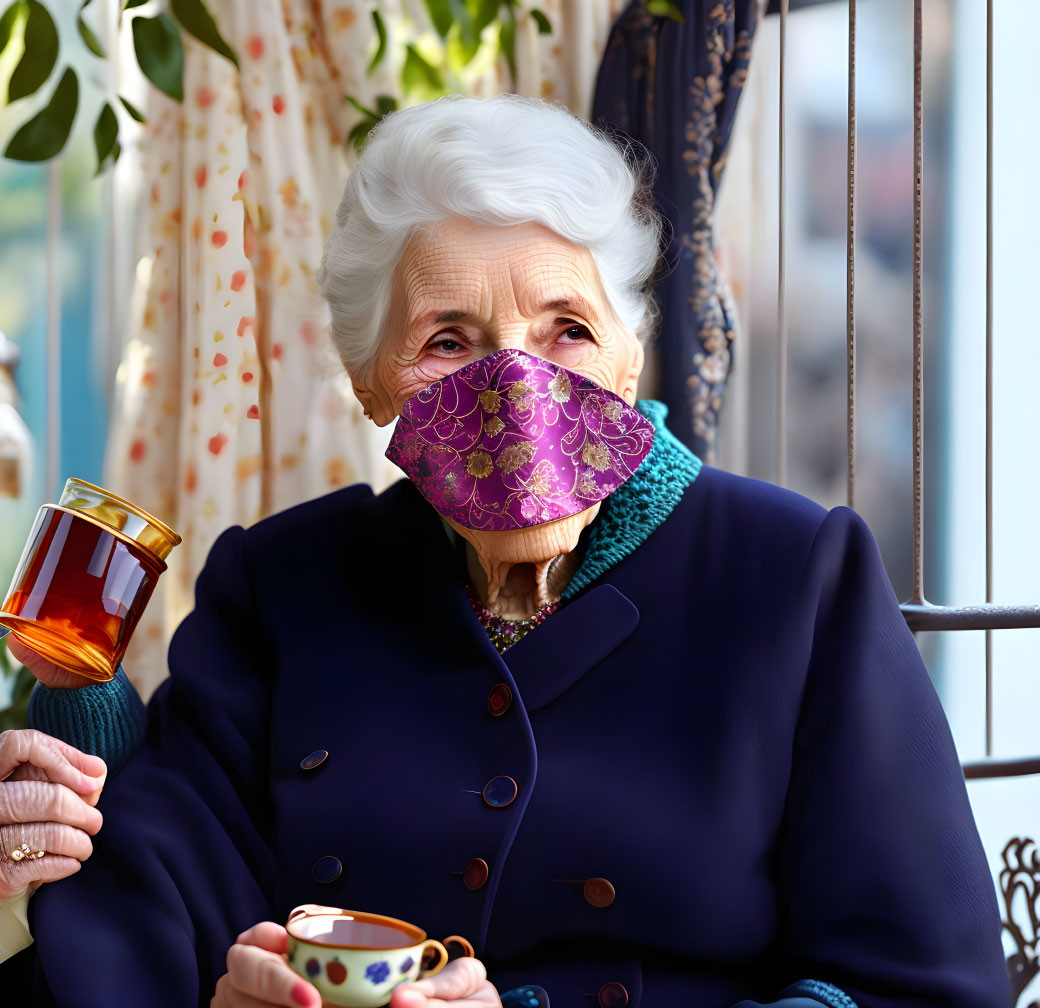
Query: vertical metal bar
column 989, row 368
column 850, row 270
column 781, row 272
column 917, row 596
column 52, row 458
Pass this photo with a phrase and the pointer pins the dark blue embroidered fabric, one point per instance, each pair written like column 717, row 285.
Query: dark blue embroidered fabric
column 673, row 87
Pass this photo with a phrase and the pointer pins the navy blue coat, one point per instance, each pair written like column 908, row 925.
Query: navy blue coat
column 733, row 726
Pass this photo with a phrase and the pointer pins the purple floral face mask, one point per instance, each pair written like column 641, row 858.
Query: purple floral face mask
column 512, row 440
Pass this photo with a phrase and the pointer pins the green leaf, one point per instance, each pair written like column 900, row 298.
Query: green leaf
column 106, row 136
column 7, row 22
column 665, row 8
column 160, row 53
column 544, row 24
column 135, row 113
column 360, row 132
column 385, row 104
column 418, row 74
column 463, row 23
column 377, row 56
column 459, row 54
column 472, row 17
column 194, row 17
column 440, row 15
column 45, row 133
column 482, row 12
column 92, row 42
column 507, row 42
column 363, row 109
column 41, row 53
column 130, row 4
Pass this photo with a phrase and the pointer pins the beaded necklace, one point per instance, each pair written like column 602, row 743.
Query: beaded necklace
column 502, row 632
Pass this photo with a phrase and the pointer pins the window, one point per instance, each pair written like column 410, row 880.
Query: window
column 954, row 298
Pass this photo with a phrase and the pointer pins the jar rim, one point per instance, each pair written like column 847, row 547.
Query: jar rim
column 155, row 535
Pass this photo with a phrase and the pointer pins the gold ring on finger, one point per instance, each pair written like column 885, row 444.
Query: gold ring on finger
column 26, row 853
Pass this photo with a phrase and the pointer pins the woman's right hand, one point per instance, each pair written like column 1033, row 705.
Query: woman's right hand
column 259, row 976
column 48, row 791
column 52, row 676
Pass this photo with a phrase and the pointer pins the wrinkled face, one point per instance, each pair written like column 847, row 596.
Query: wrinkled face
column 466, row 290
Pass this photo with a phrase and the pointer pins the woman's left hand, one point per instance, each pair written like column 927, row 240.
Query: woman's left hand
column 463, row 983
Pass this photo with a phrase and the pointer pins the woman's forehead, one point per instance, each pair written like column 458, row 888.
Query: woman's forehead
column 461, row 265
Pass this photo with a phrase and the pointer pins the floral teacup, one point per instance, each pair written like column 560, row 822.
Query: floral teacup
column 355, row 960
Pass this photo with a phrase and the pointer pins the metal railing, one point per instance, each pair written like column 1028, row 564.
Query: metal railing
column 919, row 613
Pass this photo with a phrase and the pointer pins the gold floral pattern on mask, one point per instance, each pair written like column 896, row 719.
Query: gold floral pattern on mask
column 479, row 464
column 510, row 459
column 521, row 395
column 587, row 486
column 492, row 447
column 560, row 387
column 490, row 401
column 596, row 456
column 539, row 484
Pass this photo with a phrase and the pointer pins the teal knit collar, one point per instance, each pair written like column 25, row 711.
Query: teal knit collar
column 633, row 511
column 638, row 507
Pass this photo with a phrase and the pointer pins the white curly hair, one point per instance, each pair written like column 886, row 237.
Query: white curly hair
column 500, row 161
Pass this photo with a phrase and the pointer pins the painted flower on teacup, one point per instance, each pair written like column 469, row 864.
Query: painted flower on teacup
column 355, row 960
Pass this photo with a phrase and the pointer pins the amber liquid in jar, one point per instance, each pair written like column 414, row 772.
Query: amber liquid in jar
column 80, row 593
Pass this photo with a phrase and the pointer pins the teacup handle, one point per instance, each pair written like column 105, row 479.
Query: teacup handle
column 467, row 948
column 442, row 952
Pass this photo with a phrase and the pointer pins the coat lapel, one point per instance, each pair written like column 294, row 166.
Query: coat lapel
column 548, row 660
column 557, row 654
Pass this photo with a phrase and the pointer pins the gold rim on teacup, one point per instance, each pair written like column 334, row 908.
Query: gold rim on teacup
column 412, row 934
column 308, row 910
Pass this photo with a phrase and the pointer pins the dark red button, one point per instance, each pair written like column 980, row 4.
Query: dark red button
column 500, row 699
column 612, row 995
column 315, row 759
column 327, row 869
column 499, row 792
column 599, row 892
column 476, row 873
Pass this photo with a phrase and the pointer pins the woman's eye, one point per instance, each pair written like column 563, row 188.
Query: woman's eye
column 446, row 345
column 575, row 333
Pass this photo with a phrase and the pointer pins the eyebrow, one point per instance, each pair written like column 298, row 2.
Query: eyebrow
column 573, row 303
column 450, row 316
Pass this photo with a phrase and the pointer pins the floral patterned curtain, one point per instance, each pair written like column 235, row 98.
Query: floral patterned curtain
column 674, row 86
column 230, row 401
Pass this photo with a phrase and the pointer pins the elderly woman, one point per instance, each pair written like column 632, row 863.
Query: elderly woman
column 646, row 733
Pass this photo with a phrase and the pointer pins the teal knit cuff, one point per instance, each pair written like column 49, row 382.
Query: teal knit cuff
column 104, row 719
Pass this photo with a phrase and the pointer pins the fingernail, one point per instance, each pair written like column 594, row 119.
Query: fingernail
column 302, row 994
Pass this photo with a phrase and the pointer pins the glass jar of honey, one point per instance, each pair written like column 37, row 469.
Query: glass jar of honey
column 86, row 574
